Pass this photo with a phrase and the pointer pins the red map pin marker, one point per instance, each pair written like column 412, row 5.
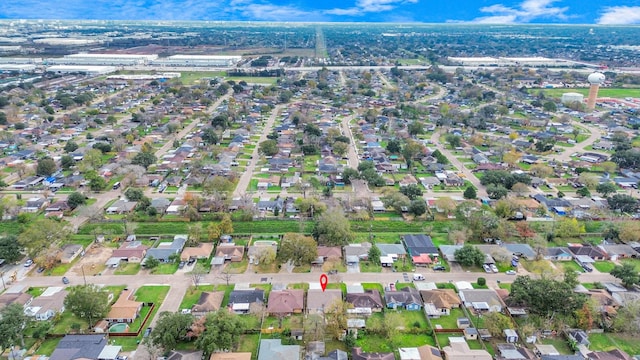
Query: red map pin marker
column 324, row 281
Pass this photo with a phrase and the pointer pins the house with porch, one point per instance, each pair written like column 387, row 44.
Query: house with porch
column 407, row 298
column 125, row 309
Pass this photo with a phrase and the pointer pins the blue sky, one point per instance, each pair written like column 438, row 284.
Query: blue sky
column 427, row 11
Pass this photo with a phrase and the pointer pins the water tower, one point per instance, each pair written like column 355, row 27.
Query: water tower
column 596, row 79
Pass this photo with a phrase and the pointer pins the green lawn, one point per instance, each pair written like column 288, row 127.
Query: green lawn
column 570, row 266
column 237, row 267
column 603, row 92
column 560, row 343
column 635, row 262
column 604, row 266
column 449, row 322
column 152, row 293
column 36, row 291
column 192, row 295
column 64, row 324
column 165, row 269
column 367, row 266
column 607, row 341
column 47, row 346
column 127, row 269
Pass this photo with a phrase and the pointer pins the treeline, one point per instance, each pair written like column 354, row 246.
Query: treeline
column 257, row 73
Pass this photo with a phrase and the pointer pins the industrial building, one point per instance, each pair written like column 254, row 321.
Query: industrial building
column 197, row 60
column 17, row 67
column 158, row 76
column 572, row 97
column 102, row 59
column 14, row 60
column 82, row 69
column 512, row 61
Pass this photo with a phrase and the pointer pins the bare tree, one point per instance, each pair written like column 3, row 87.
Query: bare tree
column 226, row 276
column 198, row 273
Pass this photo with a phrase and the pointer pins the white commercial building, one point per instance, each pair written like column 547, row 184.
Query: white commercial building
column 512, row 61
column 17, row 67
column 102, row 59
column 197, row 60
column 571, row 97
column 89, row 70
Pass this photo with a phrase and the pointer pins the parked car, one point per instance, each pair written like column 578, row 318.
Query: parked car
column 65, row 280
column 439, row 268
column 510, row 272
column 147, row 332
column 28, row 263
column 494, row 268
column 181, row 265
column 486, row 268
column 40, row 270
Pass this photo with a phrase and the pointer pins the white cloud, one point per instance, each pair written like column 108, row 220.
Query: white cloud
column 270, row 12
column 369, row 6
column 620, row 15
column 524, row 12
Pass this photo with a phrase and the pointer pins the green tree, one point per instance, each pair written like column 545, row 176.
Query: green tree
column 66, row 161
column 394, row 146
column 411, row 191
column 418, row 207
column 10, row 249
column 568, row 228
column 134, row 194
column 88, row 302
column 41, row 234
column 453, row 140
column 70, row 146
column 170, row 329
column 151, row 262
column 496, row 191
column 549, row 106
column 76, row 199
column 298, row 248
column 470, row 193
column 607, row 188
column 411, row 149
column 627, row 274
column 496, row 323
column 469, row 255
column 12, row 326
column 226, row 225
column 268, row 147
column 374, row 254
column 144, row 159
column 222, row 332
column 209, row 136
column 46, row 167
column 333, row 228
column 584, row 192
column 336, row 318
column 623, row 203
column 545, row 296
column 415, row 128
column 626, row 320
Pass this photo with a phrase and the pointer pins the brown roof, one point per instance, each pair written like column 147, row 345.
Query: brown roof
column 285, row 301
column 369, row 299
column 230, row 251
column 124, row 307
column 609, row 355
column 201, row 251
column 128, row 250
column 318, row 300
column 428, row 352
column 357, row 354
column 441, row 298
column 209, row 301
column 231, row 356
column 17, row 298
column 330, row 251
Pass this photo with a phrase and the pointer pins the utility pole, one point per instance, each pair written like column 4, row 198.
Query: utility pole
column 84, row 277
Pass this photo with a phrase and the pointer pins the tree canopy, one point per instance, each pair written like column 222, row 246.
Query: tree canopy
column 88, row 302
column 41, row 234
column 627, row 274
column 11, row 326
column 10, row 249
column 222, row 332
column 469, row 255
column 170, row 329
column 333, row 228
column 298, row 248
column 547, row 296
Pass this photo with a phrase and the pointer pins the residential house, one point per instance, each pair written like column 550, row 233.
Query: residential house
column 209, row 301
column 70, row 252
column 420, row 244
column 511, row 351
column 579, row 336
column 273, row 349
column 334, row 355
column 8, row 298
column 439, row 302
column 395, row 251
column 185, row 355
column 357, row 354
column 615, row 354
column 231, row 356
column 160, row 204
column 329, row 252
column 202, row 251
column 318, row 300
column 258, row 246
column 407, row 298
column 481, row 300
column 94, row 347
column 230, row 252
column 557, row 254
column 449, row 251
column 592, row 252
column 425, row 352
column 521, row 250
column 510, row 335
column 353, row 253
column 616, row 252
column 408, row 180
column 125, row 309
column 285, row 302
column 121, row 207
column 240, row 301
column 458, row 349
column 454, row 180
column 34, row 205
column 165, row 250
column 429, row 182
column 369, row 299
column 47, row 305
column 131, row 251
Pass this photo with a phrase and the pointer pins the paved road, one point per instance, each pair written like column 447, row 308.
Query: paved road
column 243, row 183
column 435, row 139
column 594, row 135
column 352, row 152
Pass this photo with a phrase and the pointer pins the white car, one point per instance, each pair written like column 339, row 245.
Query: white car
column 486, row 268
column 510, row 272
column 494, row 268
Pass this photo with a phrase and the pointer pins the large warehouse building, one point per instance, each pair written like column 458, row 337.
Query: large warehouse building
column 102, row 59
column 81, row 69
column 197, row 60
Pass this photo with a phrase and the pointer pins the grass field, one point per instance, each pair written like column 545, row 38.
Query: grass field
column 127, row 269
column 604, row 266
column 603, row 92
column 607, row 341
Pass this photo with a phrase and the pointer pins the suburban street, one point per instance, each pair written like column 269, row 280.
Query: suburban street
column 246, row 176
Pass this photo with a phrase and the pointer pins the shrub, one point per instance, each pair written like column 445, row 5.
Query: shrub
column 482, row 281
